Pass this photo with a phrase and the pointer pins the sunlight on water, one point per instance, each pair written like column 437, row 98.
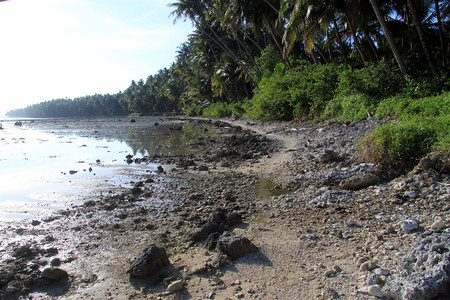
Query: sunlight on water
column 48, row 164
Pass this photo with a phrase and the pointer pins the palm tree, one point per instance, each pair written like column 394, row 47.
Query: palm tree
column 389, row 37
column 423, row 39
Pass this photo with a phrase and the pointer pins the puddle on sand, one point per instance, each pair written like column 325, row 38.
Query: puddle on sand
column 266, row 188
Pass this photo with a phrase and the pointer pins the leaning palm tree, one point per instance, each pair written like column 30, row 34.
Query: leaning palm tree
column 389, row 37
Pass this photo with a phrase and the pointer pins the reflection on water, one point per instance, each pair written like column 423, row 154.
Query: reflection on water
column 47, row 164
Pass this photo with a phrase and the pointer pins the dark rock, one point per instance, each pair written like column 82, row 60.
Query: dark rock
column 203, row 168
column 218, row 222
column 133, row 121
column 13, row 287
column 234, row 245
column 328, row 156
column 160, row 169
column 136, row 190
column 211, row 241
column 426, row 270
column 151, row 261
column 55, row 274
column 56, row 262
column 35, row 222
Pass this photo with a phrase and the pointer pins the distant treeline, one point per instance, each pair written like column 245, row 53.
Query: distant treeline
column 286, row 59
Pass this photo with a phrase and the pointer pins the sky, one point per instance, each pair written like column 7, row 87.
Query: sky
column 52, row 49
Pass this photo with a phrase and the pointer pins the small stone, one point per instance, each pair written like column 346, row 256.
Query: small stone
column 409, row 225
column 375, row 290
column 160, row 169
column 56, row 262
column 362, row 260
column 410, row 194
column 203, row 168
column 438, row 225
column 368, row 266
column 175, row 286
column 35, row 223
column 55, row 274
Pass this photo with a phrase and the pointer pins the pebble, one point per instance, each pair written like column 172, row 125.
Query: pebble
column 368, row 266
column 375, row 290
column 175, row 286
column 409, row 225
column 362, row 260
column 438, row 224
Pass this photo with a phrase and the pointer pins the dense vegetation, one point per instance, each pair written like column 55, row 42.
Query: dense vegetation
column 301, row 59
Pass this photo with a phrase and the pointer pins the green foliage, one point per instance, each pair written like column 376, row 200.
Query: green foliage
column 360, row 91
column 266, row 62
column 402, row 144
column 405, row 107
column 349, row 107
column 300, row 92
column 217, row 110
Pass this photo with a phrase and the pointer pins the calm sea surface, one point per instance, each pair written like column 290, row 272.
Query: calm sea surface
column 48, row 164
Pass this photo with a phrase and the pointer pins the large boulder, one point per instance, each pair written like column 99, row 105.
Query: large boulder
column 235, row 246
column 426, row 270
column 151, row 261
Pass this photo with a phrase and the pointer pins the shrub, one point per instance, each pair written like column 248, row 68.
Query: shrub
column 349, row 107
column 359, row 91
column 301, row 91
column 406, row 107
column 217, row 110
column 375, row 81
column 402, row 144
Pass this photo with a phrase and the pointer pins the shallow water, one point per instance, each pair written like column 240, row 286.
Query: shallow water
column 48, row 164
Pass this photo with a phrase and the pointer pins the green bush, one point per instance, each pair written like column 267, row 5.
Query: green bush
column 349, row 107
column 359, row 91
column 217, row 110
column 406, row 107
column 403, row 143
column 302, row 92
column 375, row 81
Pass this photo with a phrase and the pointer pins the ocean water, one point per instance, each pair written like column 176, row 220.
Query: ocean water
column 49, row 164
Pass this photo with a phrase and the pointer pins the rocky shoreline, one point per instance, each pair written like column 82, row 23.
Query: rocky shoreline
column 325, row 225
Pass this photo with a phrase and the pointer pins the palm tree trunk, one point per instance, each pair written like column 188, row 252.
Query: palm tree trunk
column 441, row 35
column 357, row 44
column 219, row 41
column 277, row 42
column 372, row 45
column 391, row 42
column 341, row 44
column 320, row 50
column 423, row 40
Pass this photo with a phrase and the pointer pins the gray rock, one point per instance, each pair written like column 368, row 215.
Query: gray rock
column 234, row 245
column 151, row 261
column 426, row 270
column 409, row 225
column 360, row 181
column 55, row 274
column 328, row 156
